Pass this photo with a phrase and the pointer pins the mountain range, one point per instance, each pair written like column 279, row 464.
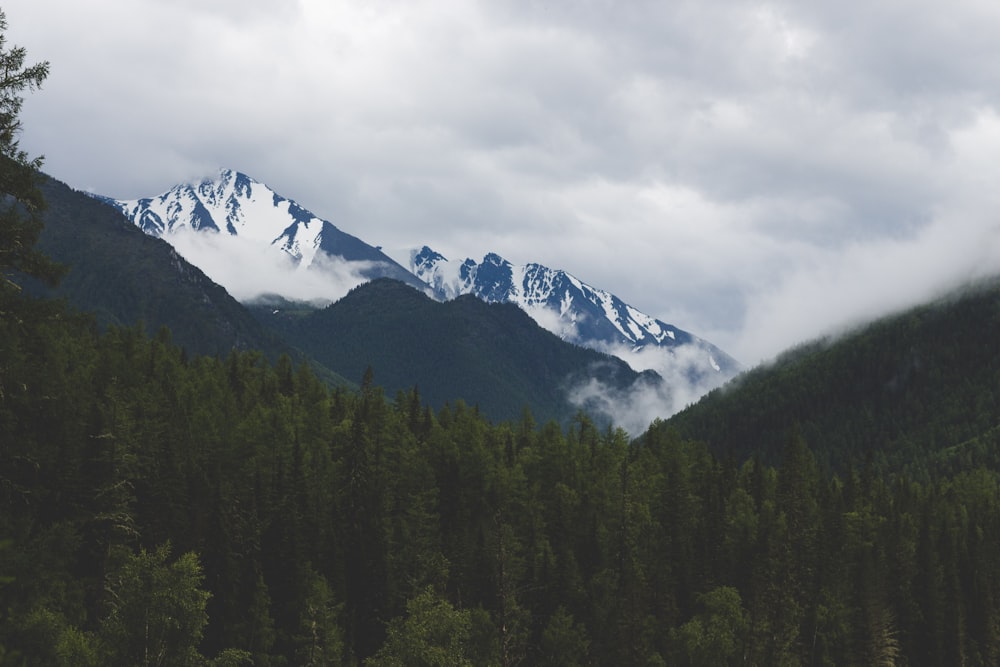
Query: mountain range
column 573, row 310
column 866, row 394
column 488, row 355
column 230, row 221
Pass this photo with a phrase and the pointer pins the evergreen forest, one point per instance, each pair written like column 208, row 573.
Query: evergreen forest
column 160, row 509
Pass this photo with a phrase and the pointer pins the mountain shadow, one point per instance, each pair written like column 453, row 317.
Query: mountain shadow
column 125, row 277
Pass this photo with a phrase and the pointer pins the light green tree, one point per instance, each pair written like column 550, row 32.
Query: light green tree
column 432, row 634
column 319, row 641
column 715, row 636
column 157, row 611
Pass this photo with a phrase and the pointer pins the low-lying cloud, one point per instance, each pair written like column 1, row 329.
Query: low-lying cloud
column 249, row 270
column 686, row 374
column 550, row 320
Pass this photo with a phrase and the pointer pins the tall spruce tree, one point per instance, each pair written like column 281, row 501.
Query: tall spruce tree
column 21, row 201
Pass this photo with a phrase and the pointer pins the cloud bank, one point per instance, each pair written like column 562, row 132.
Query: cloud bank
column 755, row 173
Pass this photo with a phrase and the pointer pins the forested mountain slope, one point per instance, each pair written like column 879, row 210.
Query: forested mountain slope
column 490, row 355
column 917, row 389
column 153, row 504
column 124, row 276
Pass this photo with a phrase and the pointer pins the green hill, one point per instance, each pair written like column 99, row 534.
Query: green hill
column 911, row 390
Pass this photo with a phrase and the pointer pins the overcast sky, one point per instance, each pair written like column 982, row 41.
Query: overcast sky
column 755, row 173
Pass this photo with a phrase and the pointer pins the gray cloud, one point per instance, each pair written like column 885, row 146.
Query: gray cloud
column 754, row 173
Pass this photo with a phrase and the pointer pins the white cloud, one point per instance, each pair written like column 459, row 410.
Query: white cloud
column 551, row 320
column 685, row 379
column 828, row 289
column 248, row 270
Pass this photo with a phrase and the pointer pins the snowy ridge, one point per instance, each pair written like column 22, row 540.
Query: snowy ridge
column 232, row 218
column 234, row 204
column 565, row 305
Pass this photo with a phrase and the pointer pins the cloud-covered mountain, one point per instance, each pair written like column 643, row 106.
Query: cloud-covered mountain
column 915, row 391
column 255, row 242
column 125, row 277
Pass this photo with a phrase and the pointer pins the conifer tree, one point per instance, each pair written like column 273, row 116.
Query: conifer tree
column 21, row 201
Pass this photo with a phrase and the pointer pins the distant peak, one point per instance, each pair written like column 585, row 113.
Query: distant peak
column 225, row 175
column 494, row 259
column 426, row 256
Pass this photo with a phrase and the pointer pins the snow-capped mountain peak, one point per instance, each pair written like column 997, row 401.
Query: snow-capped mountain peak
column 254, row 241
column 231, row 203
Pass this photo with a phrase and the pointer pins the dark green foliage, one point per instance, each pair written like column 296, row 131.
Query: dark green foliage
column 490, row 355
column 322, row 527
column 918, row 391
column 15, row 77
column 21, row 210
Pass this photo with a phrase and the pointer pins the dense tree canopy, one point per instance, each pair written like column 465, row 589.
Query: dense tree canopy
column 309, row 526
column 916, row 391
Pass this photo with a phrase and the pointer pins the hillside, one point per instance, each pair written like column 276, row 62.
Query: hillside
column 125, row 277
column 912, row 390
column 491, row 355
column 231, row 511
